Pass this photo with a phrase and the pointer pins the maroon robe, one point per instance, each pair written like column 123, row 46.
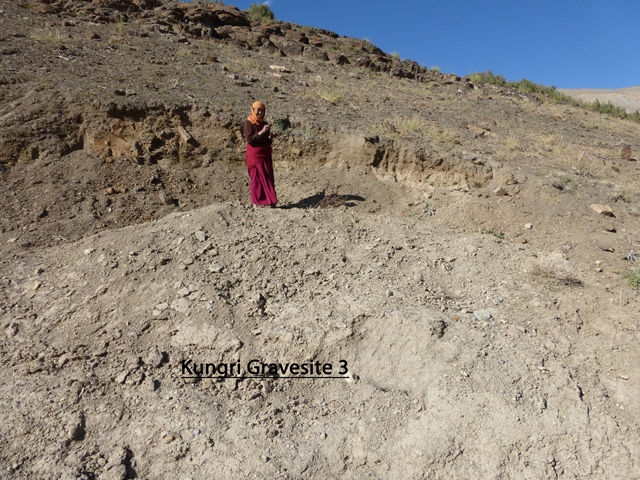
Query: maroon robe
column 260, row 165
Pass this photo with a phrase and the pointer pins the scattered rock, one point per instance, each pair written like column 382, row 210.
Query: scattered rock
column 499, row 192
column 609, row 227
column 602, row 209
column 165, row 198
column 216, row 268
column 122, row 377
column 76, row 429
column 352, row 378
column 528, row 226
column 154, row 358
column 438, row 328
column 604, row 247
column 186, row 137
column 482, row 315
column 180, row 305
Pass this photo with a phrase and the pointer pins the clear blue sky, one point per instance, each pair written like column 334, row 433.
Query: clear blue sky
column 566, row 43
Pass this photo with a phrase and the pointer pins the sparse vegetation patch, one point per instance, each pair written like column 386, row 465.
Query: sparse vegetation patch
column 552, row 95
column 556, row 268
column 632, row 274
column 260, row 13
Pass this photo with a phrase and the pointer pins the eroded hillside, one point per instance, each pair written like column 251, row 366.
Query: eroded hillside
column 448, row 240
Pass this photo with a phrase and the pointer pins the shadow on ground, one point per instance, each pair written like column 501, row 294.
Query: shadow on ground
column 320, row 200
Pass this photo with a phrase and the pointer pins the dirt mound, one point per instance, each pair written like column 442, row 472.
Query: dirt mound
column 435, row 265
column 449, row 343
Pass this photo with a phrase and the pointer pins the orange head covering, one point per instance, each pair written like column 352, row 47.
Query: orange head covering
column 253, row 118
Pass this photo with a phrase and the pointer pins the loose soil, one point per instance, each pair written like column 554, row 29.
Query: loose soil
column 435, row 235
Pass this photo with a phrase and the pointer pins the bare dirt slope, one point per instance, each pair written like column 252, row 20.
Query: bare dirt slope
column 435, row 245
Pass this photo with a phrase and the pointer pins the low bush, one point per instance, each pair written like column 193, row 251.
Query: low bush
column 260, row 13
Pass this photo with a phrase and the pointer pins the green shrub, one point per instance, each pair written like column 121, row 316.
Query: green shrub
column 369, row 47
column 633, row 275
column 488, row 78
column 260, row 13
column 281, row 125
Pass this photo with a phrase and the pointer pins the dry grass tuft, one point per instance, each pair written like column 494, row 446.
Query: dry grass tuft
column 331, row 97
column 556, row 268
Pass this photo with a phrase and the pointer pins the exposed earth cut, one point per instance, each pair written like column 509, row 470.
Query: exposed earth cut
column 457, row 256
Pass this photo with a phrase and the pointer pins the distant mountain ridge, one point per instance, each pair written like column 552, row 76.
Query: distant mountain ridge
column 627, row 98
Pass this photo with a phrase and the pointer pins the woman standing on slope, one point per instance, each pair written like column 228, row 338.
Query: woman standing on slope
column 258, row 135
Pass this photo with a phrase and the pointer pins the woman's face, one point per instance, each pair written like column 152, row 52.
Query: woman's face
column 259, row 112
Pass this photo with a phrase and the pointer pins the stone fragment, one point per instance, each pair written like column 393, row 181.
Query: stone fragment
column 154, row 358
column 279, row 68
column 438, row 328
column 122, row 377
column 609, row 227
column 341, row 60
column 500, row 192
column 605, row 247
column 200, row 236
column 180, row 305
column 11, row 330
column 76, row 431
column 520, row 240
column 602, row 209
column 351, row 378
column 186, row 137
column 482, row 315
column 165, row 198
column 528, row 226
